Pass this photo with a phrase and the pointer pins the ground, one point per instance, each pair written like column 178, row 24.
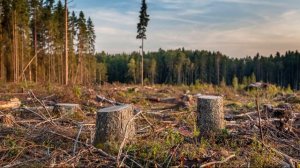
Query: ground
column 35, row 135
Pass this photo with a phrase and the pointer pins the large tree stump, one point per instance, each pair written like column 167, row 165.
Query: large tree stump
column 210, row 118
column 112, row 123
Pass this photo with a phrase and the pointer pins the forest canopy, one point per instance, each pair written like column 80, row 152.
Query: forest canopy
column 190, row 67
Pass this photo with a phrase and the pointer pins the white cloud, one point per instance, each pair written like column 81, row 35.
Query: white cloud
column 202, row 24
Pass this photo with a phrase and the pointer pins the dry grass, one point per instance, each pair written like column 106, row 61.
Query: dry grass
column 170, row 140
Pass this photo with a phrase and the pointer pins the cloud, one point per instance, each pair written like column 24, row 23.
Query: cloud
column 234, row 27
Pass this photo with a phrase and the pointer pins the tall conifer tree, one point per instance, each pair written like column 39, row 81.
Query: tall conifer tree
column 141, row 30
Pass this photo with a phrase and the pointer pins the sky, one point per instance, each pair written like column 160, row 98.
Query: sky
column 237, row 28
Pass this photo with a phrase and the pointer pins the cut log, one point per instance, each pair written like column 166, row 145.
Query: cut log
column 231, row 117
column 210, row 118
column 12, row 104
column 171, row 100
column 103, row 99
column 111, row 125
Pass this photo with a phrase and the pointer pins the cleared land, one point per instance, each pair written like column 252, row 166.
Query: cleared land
column 38, row 133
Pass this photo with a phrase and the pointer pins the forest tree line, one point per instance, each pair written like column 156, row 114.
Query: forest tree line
column 189, row 67
column 32, row 40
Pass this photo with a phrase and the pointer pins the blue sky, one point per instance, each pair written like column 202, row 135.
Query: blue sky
column 237, row 28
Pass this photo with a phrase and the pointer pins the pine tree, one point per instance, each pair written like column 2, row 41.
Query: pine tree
column 82, row 38
column 59, row 42
column 72, row 39
column 50, row 27
column 35, row 24
column 91, row 39
column 32, row 34
column 66, row 44
column 1, row 43
column 141, row 30
column 91, row 36
column 22, row 33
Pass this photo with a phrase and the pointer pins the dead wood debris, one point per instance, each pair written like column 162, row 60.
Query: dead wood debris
column 34, row 136
column 185, row 101
column 11, row 104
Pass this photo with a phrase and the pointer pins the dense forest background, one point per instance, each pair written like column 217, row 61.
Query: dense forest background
column 32, row 36
column 190, row 67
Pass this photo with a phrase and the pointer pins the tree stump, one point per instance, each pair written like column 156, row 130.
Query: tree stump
column 111, row 125
column 66, row 108
column 210, row 118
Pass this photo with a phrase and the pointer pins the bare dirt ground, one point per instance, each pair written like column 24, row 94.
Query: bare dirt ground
column 36, row 135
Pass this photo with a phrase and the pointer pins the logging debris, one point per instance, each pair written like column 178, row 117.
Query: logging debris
column 11, row 104
column 164, row 136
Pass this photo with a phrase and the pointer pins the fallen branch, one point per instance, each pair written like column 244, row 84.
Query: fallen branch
column 291, row 161
column 75, row 144
column 101, row 99
column 23, row 71
column 217, row 162
column 99, row 150
column 240, row 116
column 125, row 138
column 44, row 106
column 171, row 100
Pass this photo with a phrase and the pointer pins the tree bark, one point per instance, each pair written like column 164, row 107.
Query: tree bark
column 111, row 125
column 142, row 64
column 14, row 46
column 66, row 44
column 35, row 44
column 210, row 118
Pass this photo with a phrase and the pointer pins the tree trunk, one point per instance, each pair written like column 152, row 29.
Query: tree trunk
column 112, row 123
column 142, row 64
column 35, row 44
column 22, row 55
column 66, row 45
column 1, row 63
column 17, row 51
column 14, row 46
column 210, row 118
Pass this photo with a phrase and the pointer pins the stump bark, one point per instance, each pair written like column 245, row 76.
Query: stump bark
column 66, row 108
column 111, row 125
column 210, row 112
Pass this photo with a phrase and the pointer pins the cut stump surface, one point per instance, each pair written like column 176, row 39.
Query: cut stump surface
column 111, row 124
column 210, row 112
